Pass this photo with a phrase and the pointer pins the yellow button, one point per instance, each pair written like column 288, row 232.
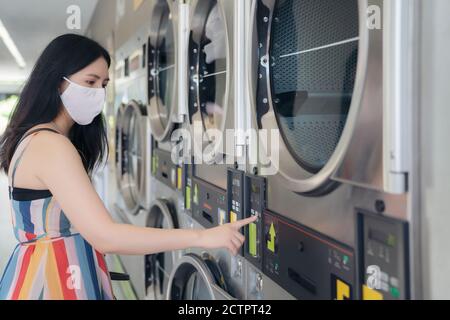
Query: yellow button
column 371, row 294
column 179, row 176
column 342, row 290
column 233, row 216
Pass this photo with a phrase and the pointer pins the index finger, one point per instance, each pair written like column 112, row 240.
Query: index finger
column 244, row 222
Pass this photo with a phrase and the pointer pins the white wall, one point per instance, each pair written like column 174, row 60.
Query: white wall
column 435, row 148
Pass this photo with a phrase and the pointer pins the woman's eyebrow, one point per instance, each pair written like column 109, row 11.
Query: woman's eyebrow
column 97, row 76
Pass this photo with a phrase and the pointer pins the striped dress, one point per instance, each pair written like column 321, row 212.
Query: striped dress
column 51, row 260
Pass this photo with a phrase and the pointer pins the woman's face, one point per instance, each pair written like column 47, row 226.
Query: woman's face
column 94, row 75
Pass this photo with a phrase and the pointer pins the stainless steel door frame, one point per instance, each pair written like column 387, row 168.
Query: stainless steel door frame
column 226, row 8
column 133, row 183
column 118, row 145
column 186, row 267
column 175, row 14
column 162, row 214
column 296, row 178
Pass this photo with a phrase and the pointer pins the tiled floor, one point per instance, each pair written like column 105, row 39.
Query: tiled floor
column 7, row 240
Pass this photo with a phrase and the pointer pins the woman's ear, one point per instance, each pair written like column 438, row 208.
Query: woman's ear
column 62, row 87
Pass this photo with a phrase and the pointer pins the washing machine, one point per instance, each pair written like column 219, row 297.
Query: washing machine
column 210, row 95
column 165, row 68
column 330, row 174
column 210, row 108
column 132, row 156
column 165, row 105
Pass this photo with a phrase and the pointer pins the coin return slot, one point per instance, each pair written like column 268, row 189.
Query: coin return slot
column 164, row 171
column 302, row 281
column 208, row 217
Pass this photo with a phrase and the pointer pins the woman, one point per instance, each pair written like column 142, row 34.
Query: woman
column 55, row 138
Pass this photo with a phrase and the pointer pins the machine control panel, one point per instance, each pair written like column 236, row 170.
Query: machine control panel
column 383, row 252
column 254, row 205
column 208, row 204
column 307, row 264
column 235, row 187
column 164, row 170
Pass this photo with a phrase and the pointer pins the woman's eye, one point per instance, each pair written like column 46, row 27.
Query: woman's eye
column 91, row 83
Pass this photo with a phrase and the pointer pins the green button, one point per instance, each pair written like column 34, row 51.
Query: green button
column 395, row 292
column 345, row 259
column 391, row 240
column 188, row 198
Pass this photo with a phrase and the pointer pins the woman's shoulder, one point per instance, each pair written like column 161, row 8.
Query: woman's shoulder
column 51, row 143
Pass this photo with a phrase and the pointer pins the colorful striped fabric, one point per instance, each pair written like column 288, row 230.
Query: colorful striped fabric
column 51, row 261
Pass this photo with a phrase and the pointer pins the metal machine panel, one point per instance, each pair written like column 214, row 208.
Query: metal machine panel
column 209, row 204
column 307, row 264
column 164, row 169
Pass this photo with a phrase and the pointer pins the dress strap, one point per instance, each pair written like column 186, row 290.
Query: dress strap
column 32, row 132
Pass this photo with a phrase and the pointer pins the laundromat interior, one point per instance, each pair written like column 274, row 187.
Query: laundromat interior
column 328, row 120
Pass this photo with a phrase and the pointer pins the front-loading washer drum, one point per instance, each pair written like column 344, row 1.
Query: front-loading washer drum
column 208, row 64
column 159, row 266
column 162, row 71
column 197, row 278
column 133, row 148
column 308, row 67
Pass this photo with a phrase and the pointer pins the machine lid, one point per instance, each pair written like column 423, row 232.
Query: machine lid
column 197, row 278
column 162, row 70
column 162, row 215
column 133, row 155
column 308, row 75
column 208, row 65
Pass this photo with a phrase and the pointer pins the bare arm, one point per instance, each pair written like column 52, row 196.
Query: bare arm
column 62, row 171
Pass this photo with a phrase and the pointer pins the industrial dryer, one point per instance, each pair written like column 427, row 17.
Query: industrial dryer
column 210, row 105
column 165, row 109
column 132, row 201
column 336, row 195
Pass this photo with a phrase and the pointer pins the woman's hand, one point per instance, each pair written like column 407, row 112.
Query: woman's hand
column 225, row 236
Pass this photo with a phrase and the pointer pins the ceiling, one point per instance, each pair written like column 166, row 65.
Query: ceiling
column 32, row 25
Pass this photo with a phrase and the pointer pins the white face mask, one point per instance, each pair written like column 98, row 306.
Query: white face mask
column 82, row 103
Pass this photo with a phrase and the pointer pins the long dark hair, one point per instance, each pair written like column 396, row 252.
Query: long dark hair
column 40, row 101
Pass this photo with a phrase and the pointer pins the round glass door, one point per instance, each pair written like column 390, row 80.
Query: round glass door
column 208, row 64
column 162, row 72
column 313, row 57
column 133, row 150
column 160, row 265
column 196, row 288
column 194, row 279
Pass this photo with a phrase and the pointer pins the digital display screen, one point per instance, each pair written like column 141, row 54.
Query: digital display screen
column 386, row 239
column 255, row 188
